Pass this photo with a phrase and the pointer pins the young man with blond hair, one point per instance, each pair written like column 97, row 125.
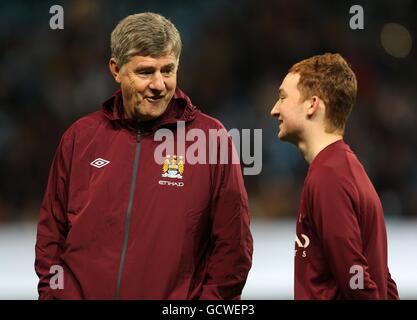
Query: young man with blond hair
column 341, row 241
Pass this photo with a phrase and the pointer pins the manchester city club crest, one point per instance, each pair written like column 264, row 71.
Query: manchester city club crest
column 173, row 167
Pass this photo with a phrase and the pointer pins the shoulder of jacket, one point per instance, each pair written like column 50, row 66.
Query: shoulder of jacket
column 86, row 123
column 327, row 178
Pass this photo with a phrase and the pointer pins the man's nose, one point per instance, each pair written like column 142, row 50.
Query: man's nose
column 157, row 82
column 274, row 111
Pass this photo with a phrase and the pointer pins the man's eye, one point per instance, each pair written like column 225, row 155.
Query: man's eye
column 144, row 72
column 281, row 98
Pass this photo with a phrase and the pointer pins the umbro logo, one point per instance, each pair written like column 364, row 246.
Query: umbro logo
column 99, row 163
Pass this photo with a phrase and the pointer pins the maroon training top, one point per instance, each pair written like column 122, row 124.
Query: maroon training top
column 121, row 226
column 341, row 241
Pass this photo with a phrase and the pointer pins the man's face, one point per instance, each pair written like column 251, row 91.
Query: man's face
column 147, row 85
column 290, row 110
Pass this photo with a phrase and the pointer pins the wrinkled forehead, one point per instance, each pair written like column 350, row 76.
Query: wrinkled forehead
column 152, row 61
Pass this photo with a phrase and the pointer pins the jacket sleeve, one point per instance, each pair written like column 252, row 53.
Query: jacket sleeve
column 231, row 256
column 392, row 292
column 52, row 223
column 334, row 218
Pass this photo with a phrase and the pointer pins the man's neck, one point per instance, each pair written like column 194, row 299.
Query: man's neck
column 311, row 146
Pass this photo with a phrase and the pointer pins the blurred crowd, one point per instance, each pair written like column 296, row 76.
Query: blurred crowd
column 234, row 57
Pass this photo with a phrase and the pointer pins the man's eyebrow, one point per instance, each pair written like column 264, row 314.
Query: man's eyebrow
column 152, row 68
column 169, row 66
column 144, row 68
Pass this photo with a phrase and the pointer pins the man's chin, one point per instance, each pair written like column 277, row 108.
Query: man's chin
column 285, row 137
column 148, row 115
column 281, row 135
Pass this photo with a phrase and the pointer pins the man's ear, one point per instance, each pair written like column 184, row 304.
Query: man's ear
column 114, row 69
column 314, row 104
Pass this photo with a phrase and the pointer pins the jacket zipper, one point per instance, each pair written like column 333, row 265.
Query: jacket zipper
column 128, row 214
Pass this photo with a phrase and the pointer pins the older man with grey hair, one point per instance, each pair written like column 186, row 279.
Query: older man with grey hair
column 116, row 224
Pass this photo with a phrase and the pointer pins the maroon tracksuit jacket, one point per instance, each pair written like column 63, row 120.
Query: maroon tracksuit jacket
column 119, row 232
column 341, row 232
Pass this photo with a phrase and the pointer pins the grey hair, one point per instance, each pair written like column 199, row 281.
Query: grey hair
column 146, row 34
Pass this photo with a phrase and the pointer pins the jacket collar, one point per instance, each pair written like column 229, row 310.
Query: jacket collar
column 180, row 108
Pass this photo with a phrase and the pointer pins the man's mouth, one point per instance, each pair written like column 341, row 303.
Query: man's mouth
column 154, row 98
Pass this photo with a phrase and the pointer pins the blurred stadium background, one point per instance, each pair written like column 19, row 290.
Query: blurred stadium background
column 234, row 56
